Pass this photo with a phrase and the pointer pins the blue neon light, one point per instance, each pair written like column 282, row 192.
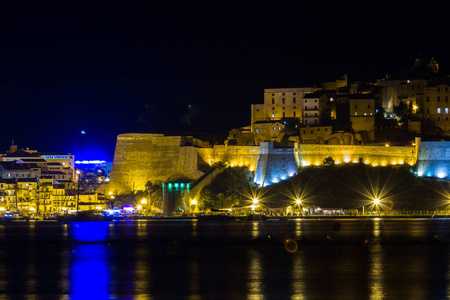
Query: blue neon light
column 93, row 162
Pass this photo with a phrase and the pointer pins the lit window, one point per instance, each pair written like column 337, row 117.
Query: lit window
column 356, row 113
column 273, row 115
column 446, row 110
column 439, row 110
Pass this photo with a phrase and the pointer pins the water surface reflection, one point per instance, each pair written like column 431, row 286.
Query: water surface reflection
column 298, row 259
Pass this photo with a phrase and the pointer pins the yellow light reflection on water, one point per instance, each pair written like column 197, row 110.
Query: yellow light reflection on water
column 298, row 277
column 376, row 276
column 255, row 229
column 255, row 278
column 298, row 229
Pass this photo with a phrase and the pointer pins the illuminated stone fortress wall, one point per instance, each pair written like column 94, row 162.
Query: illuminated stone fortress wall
column 274, row 164
column 308, row 154
column 434, row 159
column 140, row 158
column 233, row 155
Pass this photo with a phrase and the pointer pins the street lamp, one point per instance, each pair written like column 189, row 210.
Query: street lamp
column 255, row 201
column 376, row 201
column 78, row 184
column 143, row 202
column 81, row 145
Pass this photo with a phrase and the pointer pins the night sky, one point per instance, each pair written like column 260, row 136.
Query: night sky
column 111, row 67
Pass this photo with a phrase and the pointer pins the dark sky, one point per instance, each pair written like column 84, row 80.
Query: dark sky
column 111, row 67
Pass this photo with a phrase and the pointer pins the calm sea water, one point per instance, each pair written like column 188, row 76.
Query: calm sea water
column 273, row 259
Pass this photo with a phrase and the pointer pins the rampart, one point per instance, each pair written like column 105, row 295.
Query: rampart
column 139, row 158
column 434, row 159
column 233, row 155
column 307, row 154
column 274, row 164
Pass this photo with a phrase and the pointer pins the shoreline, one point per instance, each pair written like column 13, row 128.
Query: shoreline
column 218, row 218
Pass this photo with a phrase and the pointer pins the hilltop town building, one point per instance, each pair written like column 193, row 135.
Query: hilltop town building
column 280, row 103
column 436, row 106
column 362, row 114
column 408, row 86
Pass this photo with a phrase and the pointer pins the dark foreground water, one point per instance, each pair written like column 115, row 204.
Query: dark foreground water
column 274, row 259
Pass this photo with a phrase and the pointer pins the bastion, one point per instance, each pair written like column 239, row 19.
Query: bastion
column 139, row 158
column 158, row 158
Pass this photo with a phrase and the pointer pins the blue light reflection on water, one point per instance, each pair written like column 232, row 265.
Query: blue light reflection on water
column 89, row 271
column 89, row 231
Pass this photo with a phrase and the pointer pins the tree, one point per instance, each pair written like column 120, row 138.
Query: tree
column 226, row 189
column 329, row 161
column 403, row 112
column 430, row 130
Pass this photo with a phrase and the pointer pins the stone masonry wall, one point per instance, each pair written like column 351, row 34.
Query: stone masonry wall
column 307, row 154
column 233, row 155
column 275, row 164
column 434, row 159
column 139, row 158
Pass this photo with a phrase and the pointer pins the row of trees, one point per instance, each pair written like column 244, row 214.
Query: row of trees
column 153, row 194
column 227, row 189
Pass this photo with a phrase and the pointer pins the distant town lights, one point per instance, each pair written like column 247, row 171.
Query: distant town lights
column 88, row 162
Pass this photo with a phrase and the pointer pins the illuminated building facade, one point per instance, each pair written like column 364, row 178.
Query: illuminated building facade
column 313, row 105
column 16, row 169
column 315, row 134
column 27, row 196
column 265, row 131
column 408, row 86
column 436, row 107
column 362, row 114
column 8, row 193
column 280, row 103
